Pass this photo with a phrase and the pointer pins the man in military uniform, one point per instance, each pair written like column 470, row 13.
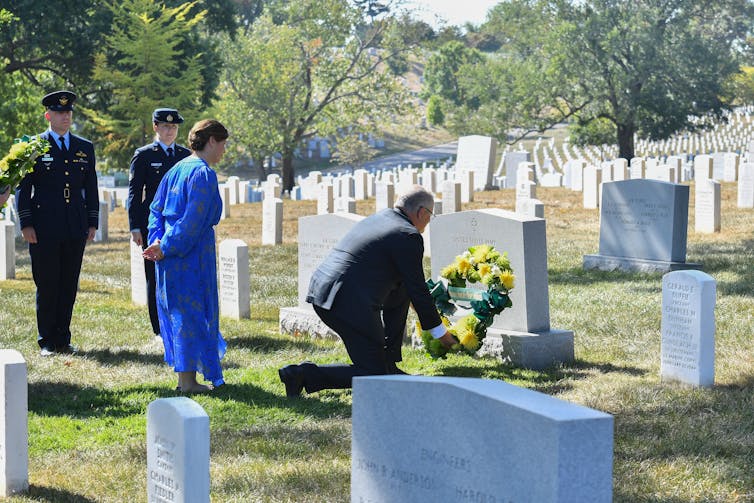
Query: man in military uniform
column 58, row 207
column 148, row 165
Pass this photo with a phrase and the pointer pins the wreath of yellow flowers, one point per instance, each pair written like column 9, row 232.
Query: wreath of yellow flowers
column 479, row 264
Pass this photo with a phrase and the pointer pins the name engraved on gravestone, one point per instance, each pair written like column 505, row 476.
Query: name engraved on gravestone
column 644, row 219
column 162, row 475
column 397, row 478
column 234, row 278
column 633, row 221
column 688, row 328
column 228, row 279
column 177, row 451
column 525, row 446
column 676, row 336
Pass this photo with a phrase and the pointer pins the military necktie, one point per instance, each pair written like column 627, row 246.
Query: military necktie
column 62, row 144
column 170, row 152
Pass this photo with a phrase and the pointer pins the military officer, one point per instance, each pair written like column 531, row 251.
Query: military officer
column 148, row 165
column 58, row 208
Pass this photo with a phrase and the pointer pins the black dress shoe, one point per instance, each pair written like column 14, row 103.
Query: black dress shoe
column 394, row 370
column 293, row 378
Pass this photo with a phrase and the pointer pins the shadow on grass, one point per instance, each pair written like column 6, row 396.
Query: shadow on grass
column 320, row 405
column 51, row 399
column 732, row 258
column 42, row 493
column 551, row 380
column 263, row 343
column 127, row 356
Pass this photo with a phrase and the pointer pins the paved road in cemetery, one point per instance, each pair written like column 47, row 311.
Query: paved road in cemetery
column 435, row 153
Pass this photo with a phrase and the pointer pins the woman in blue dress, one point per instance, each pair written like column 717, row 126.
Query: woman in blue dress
column 182, row 217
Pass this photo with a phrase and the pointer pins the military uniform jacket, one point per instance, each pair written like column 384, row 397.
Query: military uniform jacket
column 59, row 198
column 148, row 166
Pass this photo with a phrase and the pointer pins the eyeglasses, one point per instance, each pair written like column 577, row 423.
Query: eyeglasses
column 431, row 215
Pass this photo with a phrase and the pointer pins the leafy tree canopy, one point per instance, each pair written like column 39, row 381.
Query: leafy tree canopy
column 646, row 66
column 302, row 70
column 140, row 68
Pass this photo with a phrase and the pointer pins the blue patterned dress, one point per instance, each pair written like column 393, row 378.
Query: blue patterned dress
column 185, row 208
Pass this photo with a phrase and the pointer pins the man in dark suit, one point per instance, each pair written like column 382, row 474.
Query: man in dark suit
column 148, row 166
column 362, row 291
column 58, row 208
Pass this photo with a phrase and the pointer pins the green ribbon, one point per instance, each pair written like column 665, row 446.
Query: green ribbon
column 441, row 297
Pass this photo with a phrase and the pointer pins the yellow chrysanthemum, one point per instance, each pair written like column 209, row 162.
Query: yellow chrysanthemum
column 480, row 253
column 484, row 269
column 448, row 271
column 464, row 265
column 469, row 340
column 18, row 149
column 507, row 279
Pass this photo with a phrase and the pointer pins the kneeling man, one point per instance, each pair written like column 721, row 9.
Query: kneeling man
column 362, row 291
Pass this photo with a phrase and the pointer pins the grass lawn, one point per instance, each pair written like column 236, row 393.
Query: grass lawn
column 673, row 443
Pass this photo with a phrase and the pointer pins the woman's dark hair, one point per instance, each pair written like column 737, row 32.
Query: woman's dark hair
column 203, row 130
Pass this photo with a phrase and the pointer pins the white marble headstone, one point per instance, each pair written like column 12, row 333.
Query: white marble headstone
column 233, row 270
column 384, row 195
column 7, row 249
column 225, row 197
column 746, row 186
column 272, row 221
column 451, row 197
column 177, row 451
column 688, row 328
column 138, row 276
column 102, row 227
column 14, row 433
column 477, row 154
column 592, row 182
column 233, row 187
column 517, row 445
column 325, row 198
column 707, row 206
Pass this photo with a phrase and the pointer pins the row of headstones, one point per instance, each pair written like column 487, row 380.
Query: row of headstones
column 10, row 230
column 525, row 445
column 177, row 440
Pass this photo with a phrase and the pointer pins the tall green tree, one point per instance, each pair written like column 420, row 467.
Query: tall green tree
column 141, row 68
column 646, row 66
column 310, row 74
column 20, row 108
column 443, row 69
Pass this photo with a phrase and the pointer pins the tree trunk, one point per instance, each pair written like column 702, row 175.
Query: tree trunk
column 626, row 141
column 287, row 169
column 261, row 172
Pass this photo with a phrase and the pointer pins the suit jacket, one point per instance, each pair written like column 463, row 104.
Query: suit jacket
column 378, row 256
column 148, row 166
column 59, row 198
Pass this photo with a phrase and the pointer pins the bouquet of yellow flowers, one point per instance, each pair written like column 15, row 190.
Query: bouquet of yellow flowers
column 20, row 160
column 481, row 264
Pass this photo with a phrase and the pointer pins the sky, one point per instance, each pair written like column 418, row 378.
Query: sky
column 455, row 12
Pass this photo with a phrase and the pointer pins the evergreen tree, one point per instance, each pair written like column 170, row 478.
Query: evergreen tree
column 143, row 68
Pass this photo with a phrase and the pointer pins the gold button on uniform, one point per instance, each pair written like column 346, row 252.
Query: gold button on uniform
column 66, row 173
